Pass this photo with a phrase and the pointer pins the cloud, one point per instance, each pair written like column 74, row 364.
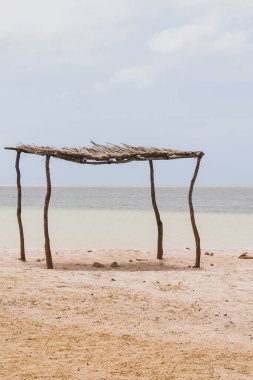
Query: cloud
column 120, row 39
column 65, row 94
column 47, row 19
column 140, row 76
column 214, row 3
column 205, row 36
column 98, row 88
column 211, row 35
column 60, row 31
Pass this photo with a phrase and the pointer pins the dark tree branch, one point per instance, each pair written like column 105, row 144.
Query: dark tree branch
column 47, row 200
column 194, row 227
column 157, row 215
column 19, row 198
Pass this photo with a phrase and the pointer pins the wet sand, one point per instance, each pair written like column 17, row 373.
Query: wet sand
column 142, row 320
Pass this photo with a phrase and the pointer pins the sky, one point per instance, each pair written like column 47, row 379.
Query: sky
column 174, row 74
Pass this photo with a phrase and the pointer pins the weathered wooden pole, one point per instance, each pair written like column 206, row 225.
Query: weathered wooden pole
column 194, row 227
column 46, row 233
column 19, row 198
column 157, row 215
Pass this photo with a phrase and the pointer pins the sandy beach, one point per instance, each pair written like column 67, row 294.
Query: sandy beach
column 126, row 133
column 141, row 320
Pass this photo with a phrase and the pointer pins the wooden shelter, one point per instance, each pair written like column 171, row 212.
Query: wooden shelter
column 105, row 154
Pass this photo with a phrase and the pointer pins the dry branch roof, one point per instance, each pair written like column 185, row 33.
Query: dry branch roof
column 106, row 154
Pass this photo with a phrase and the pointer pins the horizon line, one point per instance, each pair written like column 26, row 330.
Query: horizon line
column 125, row 186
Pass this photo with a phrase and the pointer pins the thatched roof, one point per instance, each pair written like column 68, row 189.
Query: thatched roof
column 106, row 154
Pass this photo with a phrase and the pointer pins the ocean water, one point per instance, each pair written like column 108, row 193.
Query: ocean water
column 238, row 200
column 122, row 217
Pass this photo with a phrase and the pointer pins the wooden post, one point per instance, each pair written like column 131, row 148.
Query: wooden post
column 19, row 197
column 194, row 227
column 157, row 215
column 47, row 200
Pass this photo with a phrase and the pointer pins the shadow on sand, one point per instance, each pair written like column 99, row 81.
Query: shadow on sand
column 135, row 266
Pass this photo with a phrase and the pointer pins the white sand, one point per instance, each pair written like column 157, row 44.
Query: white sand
column 143, row 320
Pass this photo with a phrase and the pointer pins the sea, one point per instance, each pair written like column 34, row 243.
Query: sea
column 123, row 217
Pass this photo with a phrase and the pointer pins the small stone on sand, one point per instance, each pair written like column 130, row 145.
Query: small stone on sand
column 97, row 265
column 114, row 264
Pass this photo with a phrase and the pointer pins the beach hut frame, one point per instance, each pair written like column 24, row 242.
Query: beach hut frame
column 105, row 154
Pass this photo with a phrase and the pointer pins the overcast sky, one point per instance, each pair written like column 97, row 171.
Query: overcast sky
column 176, row 74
